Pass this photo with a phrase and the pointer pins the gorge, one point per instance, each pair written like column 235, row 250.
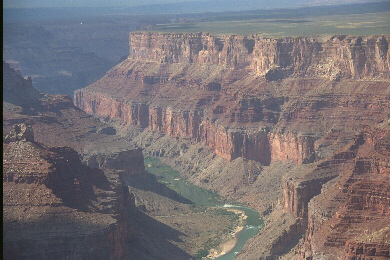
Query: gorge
column 297, row 128
column 73, row 189
column 253, row 134
column 229, row 94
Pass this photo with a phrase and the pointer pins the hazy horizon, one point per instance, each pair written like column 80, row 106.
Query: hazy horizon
column 133, row 3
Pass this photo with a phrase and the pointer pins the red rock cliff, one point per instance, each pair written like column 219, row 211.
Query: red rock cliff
column 55, row 207
column 292, row 99
column 221, row 90
column 350, row 218
column 335, row 57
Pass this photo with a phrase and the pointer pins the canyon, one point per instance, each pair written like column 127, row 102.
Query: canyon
column 73, row 189
column 229, row 96
column 55, row 206
column 55, row 66
column 297, row 128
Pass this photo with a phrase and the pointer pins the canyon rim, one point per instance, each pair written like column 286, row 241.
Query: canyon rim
column 140, row 163
column 313, row 108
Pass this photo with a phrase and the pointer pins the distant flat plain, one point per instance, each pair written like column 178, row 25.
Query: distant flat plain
column 285, row 23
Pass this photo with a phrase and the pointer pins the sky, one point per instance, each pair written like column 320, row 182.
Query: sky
column 129, row 3
column 84, row 3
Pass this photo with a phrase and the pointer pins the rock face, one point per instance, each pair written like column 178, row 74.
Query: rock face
column 40, row 185
column 301, row 101
column 56, row 207
column 20, row 132
column 32, row 115
column 119, row 161
column 335, row 57
column 14, row 79
column 356, row 207
column 221, row 90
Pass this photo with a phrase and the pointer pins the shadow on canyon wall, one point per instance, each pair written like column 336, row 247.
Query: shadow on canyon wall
column 54, row 236
column 149, row 183
column 147, row 244
column 75, row 183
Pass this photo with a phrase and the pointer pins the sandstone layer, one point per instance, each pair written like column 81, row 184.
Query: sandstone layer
column 96, row 197
column 356, row 206
column 56, row 207
column 287, row 106
column 53, row 205
column 218, row 90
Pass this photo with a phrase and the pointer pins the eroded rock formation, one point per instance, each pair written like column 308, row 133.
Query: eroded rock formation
column 333, row 57
column 54, row 206
column 352, row 213
column 20, row 132
column 216, row 90
column 302, row 101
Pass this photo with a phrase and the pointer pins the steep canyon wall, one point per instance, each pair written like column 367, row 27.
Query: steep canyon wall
column 333, row 57
column 302, row 100
column 42, row 184
column 221, row 90
column 56, row 207
column 350, row 218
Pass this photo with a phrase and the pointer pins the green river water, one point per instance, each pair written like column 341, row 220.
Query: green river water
column 202, row 197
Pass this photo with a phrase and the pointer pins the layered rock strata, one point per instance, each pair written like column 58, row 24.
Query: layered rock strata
column 56, row 122
column 54, row 206
column 131, row 162
column 353, row 213
column 294, row 100
column 333, row 57
column 220, row 90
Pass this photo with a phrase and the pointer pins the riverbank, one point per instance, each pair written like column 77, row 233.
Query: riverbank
column 186, row 228
column 231, row 239
column 230, row 244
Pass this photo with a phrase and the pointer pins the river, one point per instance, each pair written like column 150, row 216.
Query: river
column 202, row 197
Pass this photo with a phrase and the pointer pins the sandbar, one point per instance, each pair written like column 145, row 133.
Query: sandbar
column 227, row 246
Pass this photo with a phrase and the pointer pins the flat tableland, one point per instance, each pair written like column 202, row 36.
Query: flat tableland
column 361, row 19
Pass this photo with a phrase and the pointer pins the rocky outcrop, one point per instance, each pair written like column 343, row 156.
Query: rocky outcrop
column 39, row 184
column 20, row 132
column 55, row 207
column 350, row 218
column 288, row 146
column 299, row 101
column 131, row 162
column 231, row 50
column 338, row 207
column 13, row 79
column 336, row 57
column 367, row 251
column 218, row 90
column 228, row 143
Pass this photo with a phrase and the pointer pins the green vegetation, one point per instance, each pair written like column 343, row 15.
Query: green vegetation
column 201, row 253
column 221, row 237
column 294, row 22
column 208, row 245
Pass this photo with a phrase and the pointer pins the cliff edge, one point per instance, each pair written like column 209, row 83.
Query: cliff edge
column 56, row 207
column 307, row 106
